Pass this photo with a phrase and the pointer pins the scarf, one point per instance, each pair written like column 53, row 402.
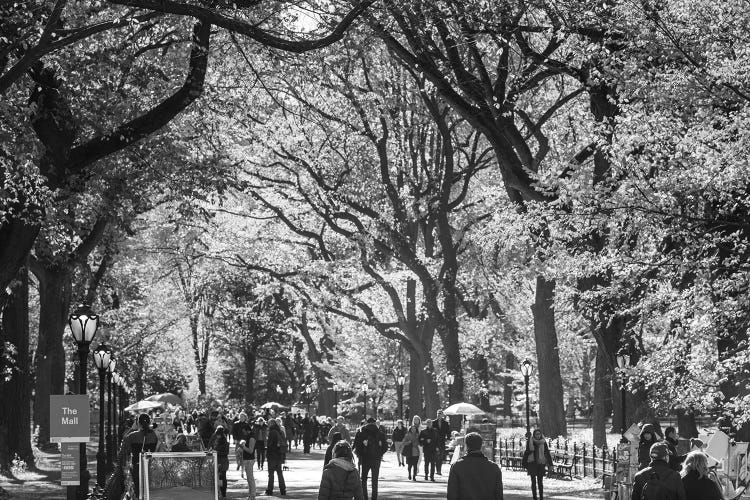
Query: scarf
column 538, row 456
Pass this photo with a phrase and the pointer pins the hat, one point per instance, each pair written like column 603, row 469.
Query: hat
column 473, row 441
column 370, row 420
column 659, row 451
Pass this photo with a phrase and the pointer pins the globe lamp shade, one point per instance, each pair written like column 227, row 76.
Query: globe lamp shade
column 83, row 324
column 527, row 368
column 102, row 356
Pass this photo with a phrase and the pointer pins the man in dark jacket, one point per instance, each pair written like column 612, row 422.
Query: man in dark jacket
column 443, row 434
column 428, row 439
column 370, row 444
column 474, row 477
column 275, row 457
column 658, row 475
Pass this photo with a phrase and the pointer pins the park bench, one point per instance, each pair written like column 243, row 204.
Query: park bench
column 562, row 464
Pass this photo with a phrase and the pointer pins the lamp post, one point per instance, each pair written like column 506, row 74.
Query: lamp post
column 449, row 379
column 336, row 398
column 83, row 323
column 102, row 355
column 364, row 390
column 623, row 360
column 115, row 417
column 308, row 391
column 401, row 380
column 110, row 371
column 526, row 370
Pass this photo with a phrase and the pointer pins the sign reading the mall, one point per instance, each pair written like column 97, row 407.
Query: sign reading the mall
column 69, row 419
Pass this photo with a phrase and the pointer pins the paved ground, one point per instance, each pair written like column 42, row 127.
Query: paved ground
column 303, row 480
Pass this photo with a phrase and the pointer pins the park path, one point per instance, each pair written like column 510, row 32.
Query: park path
column 303, row 478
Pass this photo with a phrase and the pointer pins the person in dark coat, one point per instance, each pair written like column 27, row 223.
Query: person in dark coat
column 399, row 432
column 443, row 429
column 428, row 439
column 535, row 460
column 370, row 444
column 698, row 485
column 669, row 479
column 340, row 480
column 275, row 456
column 671, row 439
column 646, row 440
column 411, row 448
column 474, row 476
column 334, row 440
column 220, row 443
column 144, row 439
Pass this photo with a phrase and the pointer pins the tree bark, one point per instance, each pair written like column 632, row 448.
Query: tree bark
column 250, row 362
column 15, row 418
column 551, row 402
column 602, row 399
column 686, row 425
column 16, row 241
column 54, row 303
column 510, row 366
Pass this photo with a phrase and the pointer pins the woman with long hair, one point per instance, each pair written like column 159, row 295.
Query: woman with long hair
column 535, row 460
column 647, row 438
column 261, row 432
column 220, row 444
column 340, row 480
column 411, row 448
column 698, row 484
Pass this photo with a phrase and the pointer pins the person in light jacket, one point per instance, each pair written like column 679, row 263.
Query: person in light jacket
column 411, row 448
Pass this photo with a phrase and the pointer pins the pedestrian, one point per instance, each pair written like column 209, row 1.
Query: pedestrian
column 248, row 463
column 308, row 433
column 657, row 480
column 284, row 447
column 428, row 438
column 329, row 451
column 370, row 444
column 241, row 431
column 339, row 427
column 697, row 483
column 411, row 448
column 261, row 432
column 340, row 480
column 535, row 460
column 275, row 457
column 220, row 444
column 289, row 430
column 144, row 439
column 206, row 427
column 646, row 440
column 672, row 440
column 443, row 428
column 474, row 476
column 398, row 441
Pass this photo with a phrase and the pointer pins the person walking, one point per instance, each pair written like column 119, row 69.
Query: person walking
column 658, row 480
column 241, row 432
column 275, row 457
column 646, row 440
column 144, row 439
column 697, row 483
column 411, row 448
column 340, row 480
column 535, row 460
column 220, row 444
column 428, row 438
column 443, row 428
column 370, row 444
column 398, row 441
column 329, row 451
column 340, row 427
column 672, row 440
column 248, row 463
column 261, row 434
column 474, row 476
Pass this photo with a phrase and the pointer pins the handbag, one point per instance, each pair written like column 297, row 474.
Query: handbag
column 407, row 450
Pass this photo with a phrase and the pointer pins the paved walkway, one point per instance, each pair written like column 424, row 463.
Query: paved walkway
column 303, row 478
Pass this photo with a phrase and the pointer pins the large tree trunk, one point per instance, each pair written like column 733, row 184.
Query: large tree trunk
column 510, row 366
column 588, row 357
column 416, row 384
column 16, row 241
column 200, row 363
column 686, row 425
column 54, row 302
column 551, row 402
column 602, row 399
column 15, row 415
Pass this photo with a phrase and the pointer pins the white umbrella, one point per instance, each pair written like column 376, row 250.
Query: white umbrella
column 272, row 405
column 463, row 409
column 166, row 397
column 143, row 405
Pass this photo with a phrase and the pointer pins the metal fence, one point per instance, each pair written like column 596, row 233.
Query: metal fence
column 581, row 459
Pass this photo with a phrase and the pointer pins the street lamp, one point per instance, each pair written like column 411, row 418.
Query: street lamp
column 401, row 380
column 278, row 389
column 102, row 355
column 364, row 390
column 623, row 360
column 308, row 391
column 83, row 323
column 110, row 371
column 526, row 370
column 336, row 398
column 115, row 418
column 449, row 379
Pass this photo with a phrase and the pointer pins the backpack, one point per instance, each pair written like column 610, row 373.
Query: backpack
column 375, row 445
column 655, row 488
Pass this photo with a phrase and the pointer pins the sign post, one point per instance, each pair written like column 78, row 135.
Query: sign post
column 70, row 421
